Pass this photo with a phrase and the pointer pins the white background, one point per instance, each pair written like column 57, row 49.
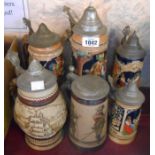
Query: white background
column 14, row 21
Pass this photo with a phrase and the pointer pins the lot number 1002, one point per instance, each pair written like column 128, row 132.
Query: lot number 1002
column 90, row 42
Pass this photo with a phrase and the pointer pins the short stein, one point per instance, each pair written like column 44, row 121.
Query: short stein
column 88, row 111
column 89, row 44
column 40, row 110
column 125, row 113
column 129, row 60
column 46, row 47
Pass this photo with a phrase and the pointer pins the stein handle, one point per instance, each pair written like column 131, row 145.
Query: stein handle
column 27, row 22
column 112, row 86
column 12, row 56
column 72, row 21
column 13, row 90
column 66, row 86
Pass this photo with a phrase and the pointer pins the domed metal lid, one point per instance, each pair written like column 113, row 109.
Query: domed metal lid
column 43, row 37
column 130, row 94
column 90, row 87
column 131, row 49
column 38, row 75
column 89, row 24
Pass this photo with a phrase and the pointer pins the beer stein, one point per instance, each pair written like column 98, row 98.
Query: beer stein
column 129, row 59
column 89, row 43
column 88, row 110
column 46, row 47
column 40, row 110
column 125, row 113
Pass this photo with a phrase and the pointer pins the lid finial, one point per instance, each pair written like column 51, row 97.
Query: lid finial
column 35, row 72
column 35, row 66
column 130, row 94
column 130, row 46
column 90, row 23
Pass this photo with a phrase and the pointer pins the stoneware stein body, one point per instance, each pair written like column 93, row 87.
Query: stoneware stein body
column 40, row 110
column 88, row 111
column 125, row 114
column 46, row 47
column 89, row 44
column 129, row 61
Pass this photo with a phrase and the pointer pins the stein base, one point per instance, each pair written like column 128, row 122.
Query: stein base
column 121, row 141
column 44, row 144
column 87, row 146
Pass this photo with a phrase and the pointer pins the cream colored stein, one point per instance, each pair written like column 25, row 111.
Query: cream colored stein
column 40, row 110
column 125, row 114
column 88, row 111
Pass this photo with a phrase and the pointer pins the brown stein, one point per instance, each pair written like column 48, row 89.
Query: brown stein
column 40, row 110
column 89, row 44
column 46, row 47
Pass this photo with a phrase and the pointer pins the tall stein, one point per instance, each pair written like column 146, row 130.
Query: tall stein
column 89, row 43
column 129, row 60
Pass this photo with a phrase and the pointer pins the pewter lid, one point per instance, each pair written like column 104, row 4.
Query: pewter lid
column 131, row 49
column 36, row 72
column 130, row 94
column 90, row 87
column 43, row 37
column 90, row 23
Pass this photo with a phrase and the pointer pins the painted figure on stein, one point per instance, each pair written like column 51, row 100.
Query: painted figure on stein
column 89, row 42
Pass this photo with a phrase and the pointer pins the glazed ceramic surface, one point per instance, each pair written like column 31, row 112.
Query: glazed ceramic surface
column 89, row 43
column 125, row 114
column 126, row 69
column 56, row 65
column 88, row 112
column 46, row 47
column 124, row 122
column 128, row 61
column 40, row 111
